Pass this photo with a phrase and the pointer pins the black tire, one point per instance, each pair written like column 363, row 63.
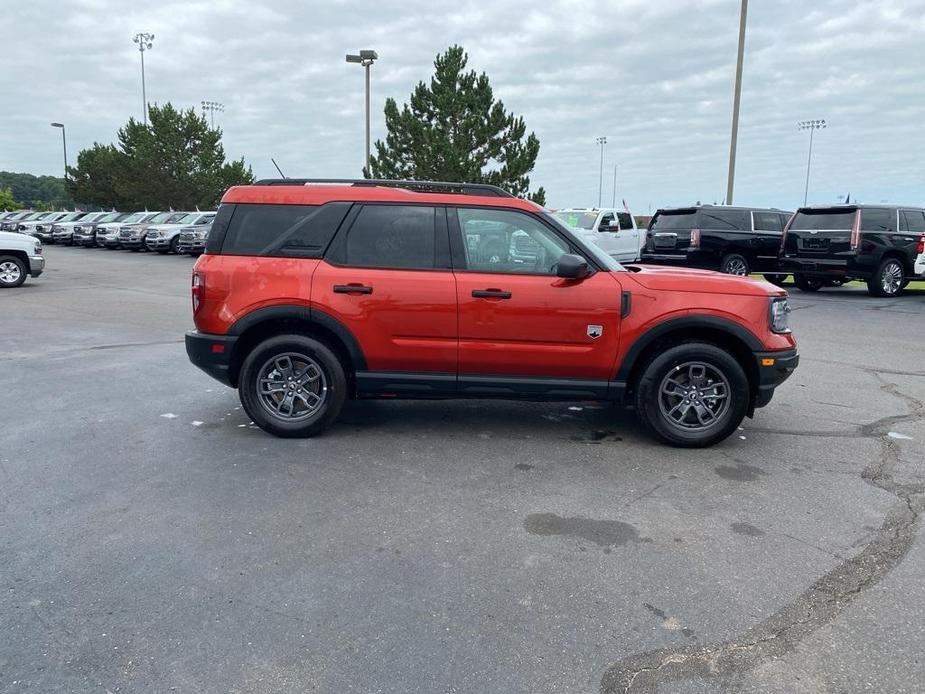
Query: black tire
column 888, row 280
column 175, row 245
column 735, row 264
column 776, row 280
column 808, row 284
column 162, row 251
column 332, row 382
column 12, row 271
column 676, row 363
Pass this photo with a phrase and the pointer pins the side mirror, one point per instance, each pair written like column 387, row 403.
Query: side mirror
column 612, row 225
column 572, row 267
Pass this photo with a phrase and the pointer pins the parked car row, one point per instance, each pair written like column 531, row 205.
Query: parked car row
column 163, row 232
column 828, row 245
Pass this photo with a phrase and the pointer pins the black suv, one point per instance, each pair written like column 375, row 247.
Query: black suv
column 874, row 243
column 734, row 240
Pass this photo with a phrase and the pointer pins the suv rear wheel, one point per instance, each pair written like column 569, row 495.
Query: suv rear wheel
column 692, row 395
column 888, row 280
column 12, row 271
column 292, row 386
column 808, row 284
column 734, row 264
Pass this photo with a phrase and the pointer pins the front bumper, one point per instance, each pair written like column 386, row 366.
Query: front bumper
column 108, row 241
column 130, row 242
column 36, row 265
column 191, row 246
column 156, row 244
column 773, row 369
column 80, row 240
column 212, row 354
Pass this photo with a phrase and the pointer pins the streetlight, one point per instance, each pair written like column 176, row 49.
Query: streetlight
column 600, row 187
column 63, row 142
column 737, row 97
column 812, row 126
column 365, row 58
column 145, row 42
column 212, row 107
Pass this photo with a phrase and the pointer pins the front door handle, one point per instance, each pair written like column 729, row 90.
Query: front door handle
column 352, row 289
column 490, row 294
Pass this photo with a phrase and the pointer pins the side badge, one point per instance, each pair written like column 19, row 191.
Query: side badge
column 595, row 331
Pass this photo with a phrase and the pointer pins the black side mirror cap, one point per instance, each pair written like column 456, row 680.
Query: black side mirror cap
column 572, row 267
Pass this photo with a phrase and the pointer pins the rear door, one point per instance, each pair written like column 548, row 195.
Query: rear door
column 517, row 319
column 387, row 278
column 766, row 240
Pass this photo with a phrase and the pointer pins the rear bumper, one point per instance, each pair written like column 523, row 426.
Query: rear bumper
column 815, row 267
column 773, row 369
column 212, row 354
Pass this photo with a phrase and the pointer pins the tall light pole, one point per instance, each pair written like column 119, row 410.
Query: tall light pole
column 64, row 143
column 614, row 202
column 365, row 58
column 735, row 104
column 812, row 126
column 145, row 42
column 212, row 107
column 600, row 187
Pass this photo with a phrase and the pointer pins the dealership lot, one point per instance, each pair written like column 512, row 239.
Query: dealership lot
column 151, row 538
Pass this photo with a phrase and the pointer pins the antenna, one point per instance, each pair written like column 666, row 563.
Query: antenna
column 277, row 168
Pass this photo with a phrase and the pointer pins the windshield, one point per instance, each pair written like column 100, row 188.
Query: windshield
column 576, row 218
column 111, row 217
column 132, row 218
column 593, row 250
column 814, row 220
column 69, row 217
column 163, row 217
column 682, row 219
column 190, row 218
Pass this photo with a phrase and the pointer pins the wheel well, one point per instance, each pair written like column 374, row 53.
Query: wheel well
column 283, row 326
column 18, row 254
column 714, row 336
column 904, row 260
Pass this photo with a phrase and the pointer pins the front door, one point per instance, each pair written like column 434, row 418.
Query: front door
column 387, row 279
column 517, row 319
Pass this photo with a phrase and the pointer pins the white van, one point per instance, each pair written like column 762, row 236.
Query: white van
column 613, row 230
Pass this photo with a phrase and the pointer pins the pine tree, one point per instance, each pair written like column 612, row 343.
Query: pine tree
column 455, row 130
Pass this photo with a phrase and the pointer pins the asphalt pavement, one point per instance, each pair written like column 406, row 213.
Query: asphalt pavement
column 152, row 539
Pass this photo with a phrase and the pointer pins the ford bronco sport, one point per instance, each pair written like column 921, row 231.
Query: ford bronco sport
column 311, row 292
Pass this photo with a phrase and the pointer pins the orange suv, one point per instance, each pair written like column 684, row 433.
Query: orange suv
column 314, row 291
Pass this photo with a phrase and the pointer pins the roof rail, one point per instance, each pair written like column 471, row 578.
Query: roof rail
column 419, row 186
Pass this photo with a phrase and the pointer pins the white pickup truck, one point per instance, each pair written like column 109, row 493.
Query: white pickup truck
column 20, row 255
column 614, row 230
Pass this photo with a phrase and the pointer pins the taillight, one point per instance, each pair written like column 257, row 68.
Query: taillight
column 856, row 231
column 695, row 238
column 198, row 291
column 921, row 246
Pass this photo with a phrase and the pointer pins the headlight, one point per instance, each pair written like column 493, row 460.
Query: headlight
column 38, row 248
column 780, row 315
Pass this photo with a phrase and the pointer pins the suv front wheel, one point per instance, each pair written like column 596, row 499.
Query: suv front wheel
column 888, row 280
column 692, row 395
column 292, row 386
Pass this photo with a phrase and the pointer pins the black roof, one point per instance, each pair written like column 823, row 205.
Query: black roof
column 723, row 207
column 860, row 206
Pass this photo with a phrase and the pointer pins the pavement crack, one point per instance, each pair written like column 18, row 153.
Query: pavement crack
column 820, row 603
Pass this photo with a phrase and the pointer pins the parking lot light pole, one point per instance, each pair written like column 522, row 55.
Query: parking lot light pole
column 64, row 143
column 600, row 184
column 365, row 58
column 212, row 107
column 736, row 99
column 145, row 42
column 812, row 126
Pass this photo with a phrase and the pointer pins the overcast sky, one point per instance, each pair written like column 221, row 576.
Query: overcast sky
column 653, row 76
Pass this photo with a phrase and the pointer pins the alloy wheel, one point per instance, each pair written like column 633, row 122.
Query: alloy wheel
column 694, row 396
column 9, row 272
column 736, row 266
column 891, row 278
column 291, row 386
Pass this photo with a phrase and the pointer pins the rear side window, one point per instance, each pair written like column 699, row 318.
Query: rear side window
column 823, row 220
column 912, row 220
column 725, row 219
column 767, row 221
column 392, row 236
column 878, row 219
column 302, row 231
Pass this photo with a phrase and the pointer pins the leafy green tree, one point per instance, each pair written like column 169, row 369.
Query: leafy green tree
column 455, row 130
column 7, row 201
column 176, row 161
column 36, row 191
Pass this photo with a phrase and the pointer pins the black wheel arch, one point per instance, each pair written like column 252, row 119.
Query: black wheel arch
column 266, row 322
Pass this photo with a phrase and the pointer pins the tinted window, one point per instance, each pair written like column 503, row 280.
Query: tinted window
column 392, row 236
column 816, row 220
column 288, row 230
column 711, row 218
column 605, row 222
column 670, row 221
column 784, row 218
column 878, row 219
column 912, row 220
column 767, row 221
column 625, row 219
column 508, row 241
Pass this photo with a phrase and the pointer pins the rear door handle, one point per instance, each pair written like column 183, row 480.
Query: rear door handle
column 490, row 294
column 352, row 289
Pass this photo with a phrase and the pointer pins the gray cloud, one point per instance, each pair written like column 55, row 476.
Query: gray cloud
column 654, row 76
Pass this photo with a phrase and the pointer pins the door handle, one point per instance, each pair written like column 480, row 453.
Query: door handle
column 490, row 294
column 352, row 289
